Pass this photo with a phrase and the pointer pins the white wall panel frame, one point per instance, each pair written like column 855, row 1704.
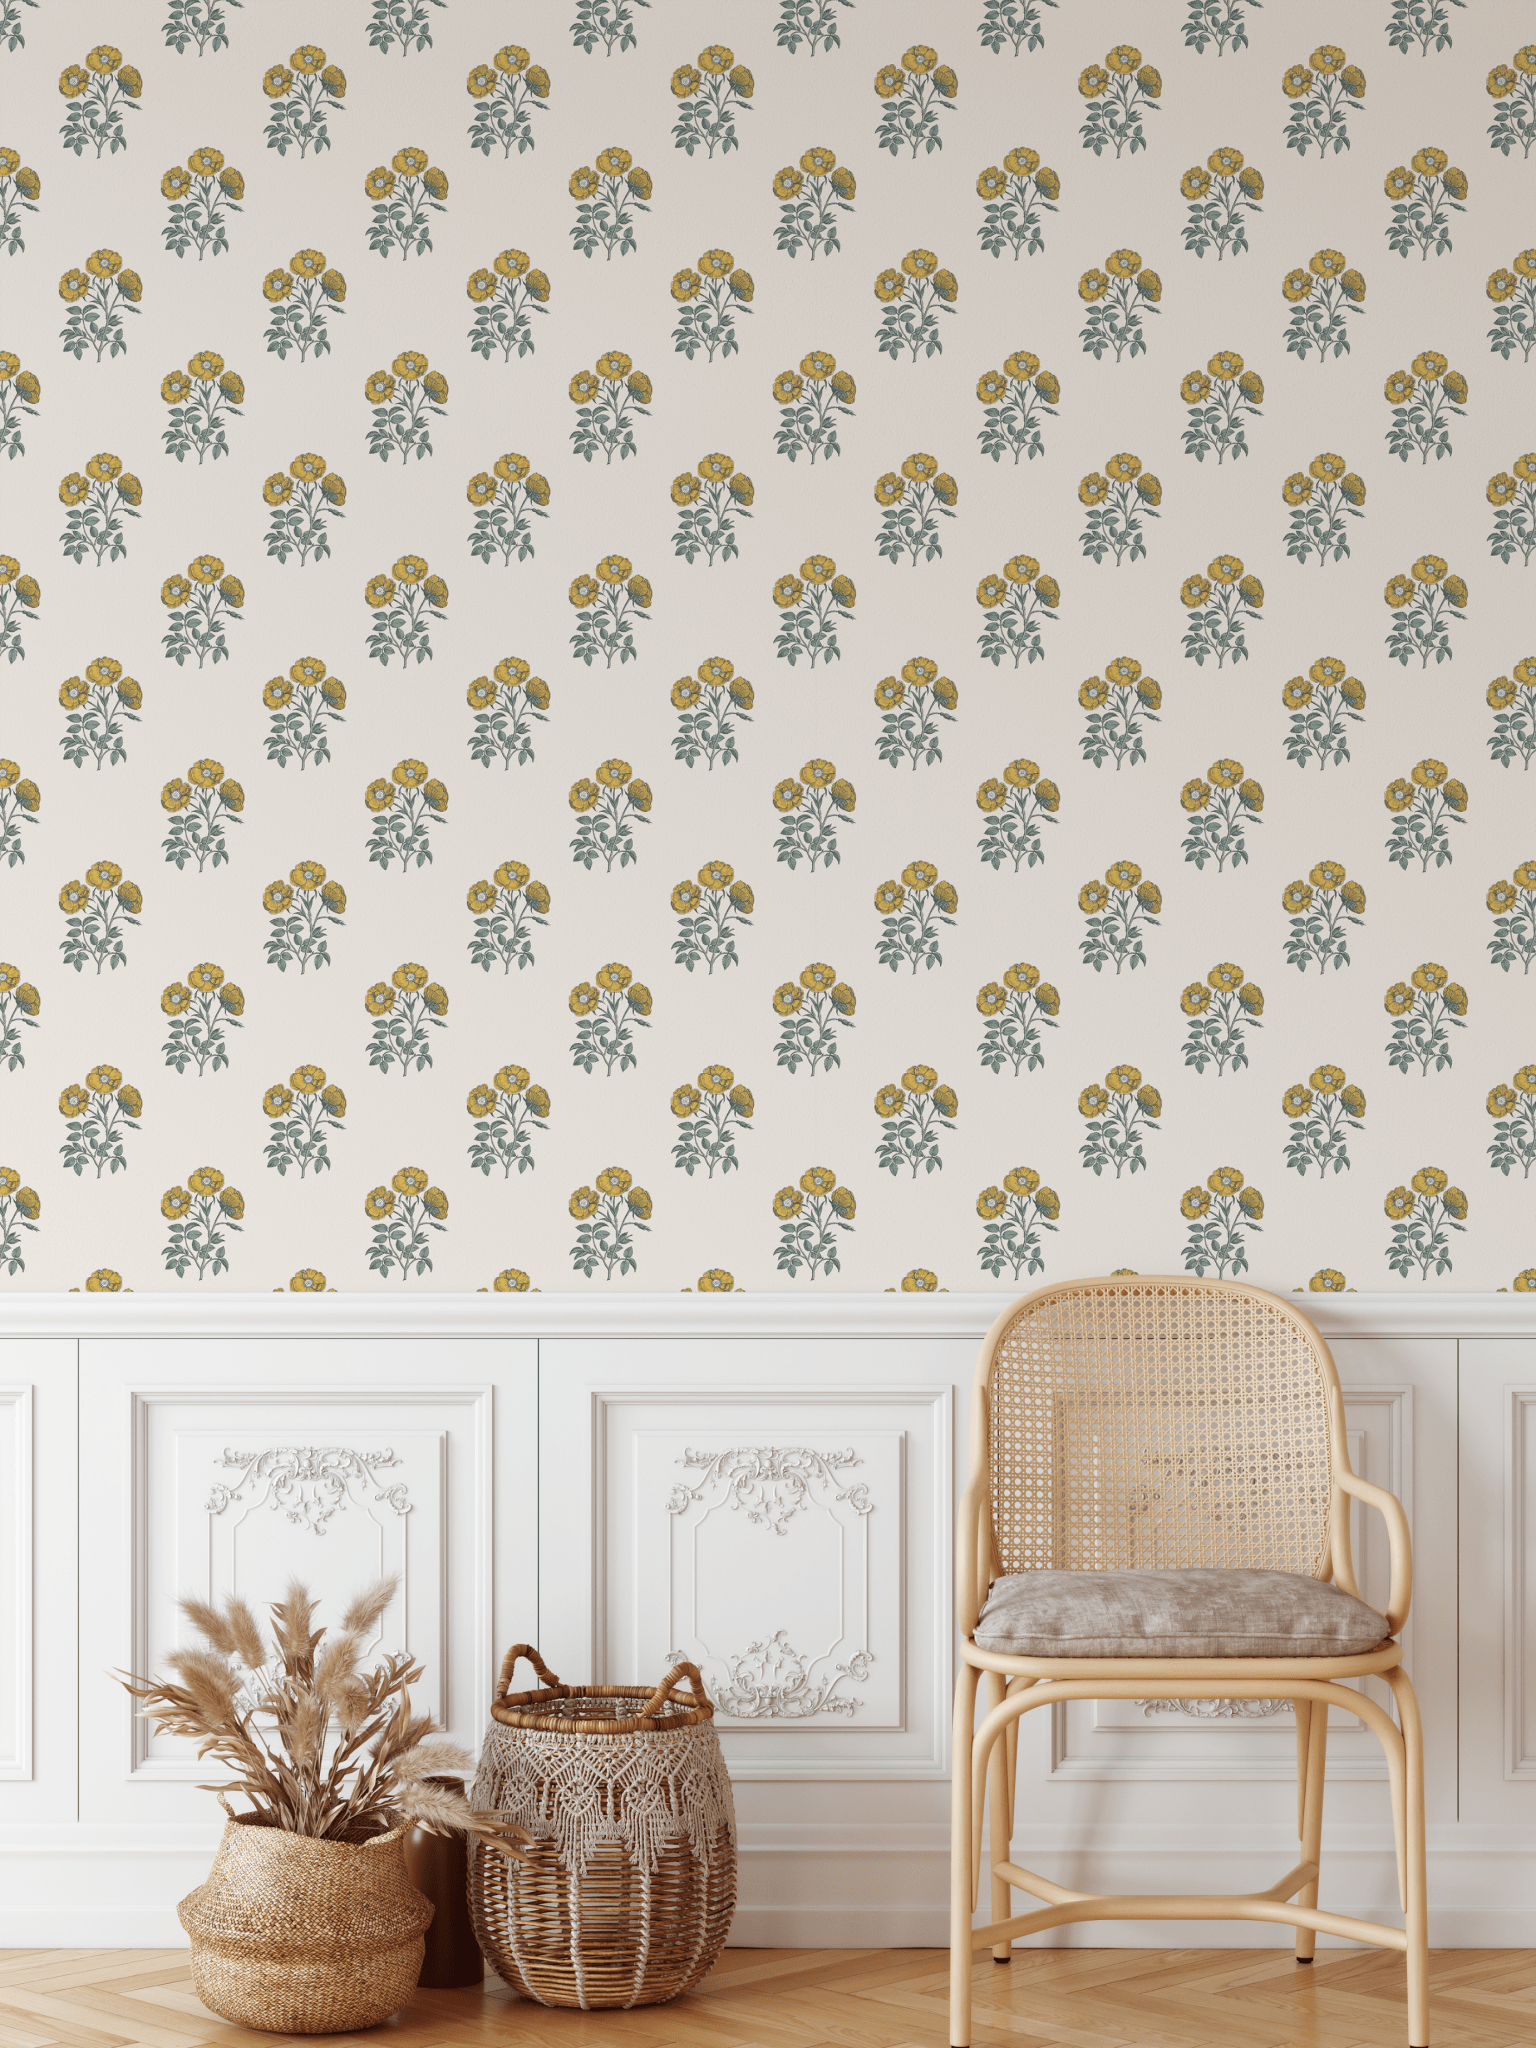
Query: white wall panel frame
column 291, row 1410
column 908, row 1582
column 140, row 1397
column 591, row 1399
column 39, row 1555
column 16, row 1641
column 1497, row 1588
column 1519, row 1584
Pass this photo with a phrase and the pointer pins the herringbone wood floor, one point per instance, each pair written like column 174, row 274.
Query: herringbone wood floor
column 847, row 1998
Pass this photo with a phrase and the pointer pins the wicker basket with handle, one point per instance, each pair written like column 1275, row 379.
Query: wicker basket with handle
column 624, row 1894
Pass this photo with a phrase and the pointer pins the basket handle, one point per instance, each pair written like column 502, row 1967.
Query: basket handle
column 509, row 1664
column 668, row 1690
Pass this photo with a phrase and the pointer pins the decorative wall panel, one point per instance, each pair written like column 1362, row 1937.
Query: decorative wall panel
column 621, row 646
column 766, row 1537
column 261, row 1510
column 816, row 1600
column 1519, row 1591
column 244, row 1466
column 780, row 1531
column 16, row 1660
column 1497, row 1588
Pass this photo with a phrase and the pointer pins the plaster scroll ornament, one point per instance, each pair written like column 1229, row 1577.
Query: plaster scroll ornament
column 306, row 1482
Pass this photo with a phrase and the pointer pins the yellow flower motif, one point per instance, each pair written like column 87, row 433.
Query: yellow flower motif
column 1327, row 1280
column 1093, row 1101
column 1399, row 999
column 1296, row 1101
column 1501, row 1101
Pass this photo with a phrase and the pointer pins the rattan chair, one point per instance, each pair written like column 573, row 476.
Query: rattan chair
column 1153, row 1425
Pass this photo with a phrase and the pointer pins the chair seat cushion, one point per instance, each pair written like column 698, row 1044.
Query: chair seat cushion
column 1175, row 1614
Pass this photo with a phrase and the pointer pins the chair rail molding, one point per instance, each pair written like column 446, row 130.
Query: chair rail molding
column 627, row 1314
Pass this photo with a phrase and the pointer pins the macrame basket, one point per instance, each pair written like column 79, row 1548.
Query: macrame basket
column 624, row 1894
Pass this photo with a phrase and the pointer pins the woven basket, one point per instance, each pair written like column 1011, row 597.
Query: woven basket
column 624, row 1894
column 296, row 1936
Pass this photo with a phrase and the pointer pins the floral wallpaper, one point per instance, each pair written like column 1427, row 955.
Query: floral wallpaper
column 801, row 643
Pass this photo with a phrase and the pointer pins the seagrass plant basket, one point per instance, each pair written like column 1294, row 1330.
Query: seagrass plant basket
column 291, row 1935
column 624, row 1894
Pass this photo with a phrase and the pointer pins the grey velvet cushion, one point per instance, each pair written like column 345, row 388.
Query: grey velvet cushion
column 1175, row 1614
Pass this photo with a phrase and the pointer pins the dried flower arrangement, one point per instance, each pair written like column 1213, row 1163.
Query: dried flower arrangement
column 319, row 1746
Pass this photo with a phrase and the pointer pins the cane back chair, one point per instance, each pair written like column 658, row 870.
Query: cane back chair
column 1145, row 1426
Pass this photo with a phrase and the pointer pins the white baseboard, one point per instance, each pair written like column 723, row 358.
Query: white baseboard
column 857, row 1887
column 825, row 1926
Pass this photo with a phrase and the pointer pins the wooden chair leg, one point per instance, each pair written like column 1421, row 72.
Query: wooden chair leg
column 960, row 1894
column 1311, row 1762
column 999, row 1823
column 1417, row 1916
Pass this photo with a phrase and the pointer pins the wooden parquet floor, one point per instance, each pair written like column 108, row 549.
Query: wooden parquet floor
column 840, row 1998
column 845, row 1998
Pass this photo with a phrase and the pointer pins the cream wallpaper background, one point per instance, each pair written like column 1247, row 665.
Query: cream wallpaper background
column 884, row 948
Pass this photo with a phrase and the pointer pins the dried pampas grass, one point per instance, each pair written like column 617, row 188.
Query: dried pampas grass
column 317, row 1745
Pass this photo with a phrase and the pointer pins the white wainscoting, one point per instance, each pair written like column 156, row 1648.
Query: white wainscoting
column 764, row 1484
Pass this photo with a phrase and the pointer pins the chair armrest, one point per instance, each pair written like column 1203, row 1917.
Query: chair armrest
column 972, row 1527
column 968, row 1590
column 1391, row 1508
